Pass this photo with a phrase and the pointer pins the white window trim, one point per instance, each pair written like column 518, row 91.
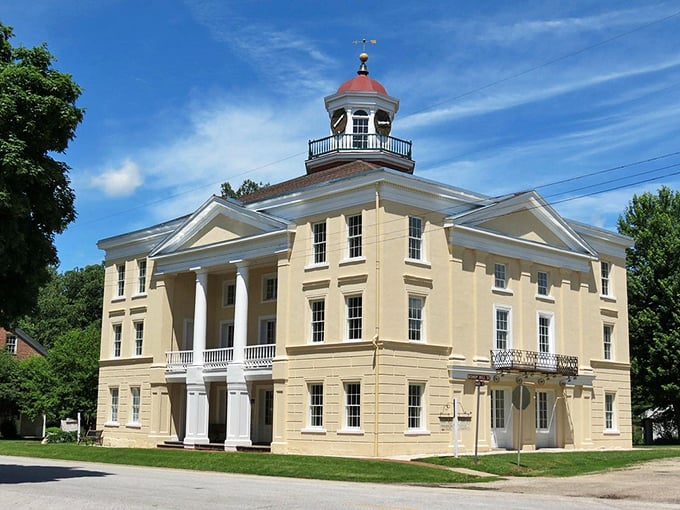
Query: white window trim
column 223, row 323
column 14, row 345
column 134, row 327
column 120, row 295
column 346, row 429
column 132, row 423
column 113, row 340
column 422, row 260
column 347, row 317
column 311, row 301
column 611, row 341
column 495, row 330
column 138, row 292
column 360, row 236
column 225, row 287
column 422, row 429
column 262, row 319
column 609, row 295
column 111, row 422
column 423, row 337
column 551, row 331
column 313, row 262
column 309, row 428
column 265, row 278
column 506, row 280
column 614, row 428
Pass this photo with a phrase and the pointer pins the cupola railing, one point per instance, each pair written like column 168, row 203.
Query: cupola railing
column 359, row 142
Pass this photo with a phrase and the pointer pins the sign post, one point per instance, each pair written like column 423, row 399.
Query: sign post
column 480, row 380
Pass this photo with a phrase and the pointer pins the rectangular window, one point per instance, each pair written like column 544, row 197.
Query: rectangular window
column 605, row 270
column 11, row 344
column 268, row 407
column 134, row 410
column 415, row 406
column 607, row 331
column 318, row 320
column 226, row 334
column 354, row 317
column 141, row 276
column 121, row 280
column 352, row 405
column 500, row 281
column 228, row 293
column 502, row 329
column 117, row 339
column 415, row 318
column 319, row 242
column 114, row 405
column 609, row 418
column 354, row 236
column 139, row 338
column 267, row 331
column 269, row 288
column 498, row 409
column 541, row 410
column 360, row 130
column 544, row 333
column 316, row 405
column 543, row 284
column 415, row 238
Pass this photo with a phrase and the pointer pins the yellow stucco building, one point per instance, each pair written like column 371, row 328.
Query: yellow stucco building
column 362, row 310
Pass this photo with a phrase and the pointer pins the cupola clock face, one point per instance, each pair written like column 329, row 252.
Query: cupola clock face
column 338, row 121
column 383, row 123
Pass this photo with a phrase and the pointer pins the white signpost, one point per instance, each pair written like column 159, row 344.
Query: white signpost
column 480, row 380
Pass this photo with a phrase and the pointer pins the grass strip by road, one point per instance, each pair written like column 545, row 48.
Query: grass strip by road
column 556, row 464
column 293, row 466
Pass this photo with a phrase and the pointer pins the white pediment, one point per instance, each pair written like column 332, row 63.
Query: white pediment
column 217, row 221
column 521, row 223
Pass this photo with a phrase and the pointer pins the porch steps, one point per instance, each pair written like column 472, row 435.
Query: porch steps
column 214, row 447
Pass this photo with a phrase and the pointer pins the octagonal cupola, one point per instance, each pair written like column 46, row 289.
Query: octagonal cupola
column 360, row 115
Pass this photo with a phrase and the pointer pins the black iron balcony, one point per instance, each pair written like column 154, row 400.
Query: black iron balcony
column 532, row 361
column 359, row 143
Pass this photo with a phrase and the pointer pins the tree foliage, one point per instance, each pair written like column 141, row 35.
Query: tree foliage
column 38, row 118
column 9, row 384
column 70, row 300
column 247, row 187
column 653, row 221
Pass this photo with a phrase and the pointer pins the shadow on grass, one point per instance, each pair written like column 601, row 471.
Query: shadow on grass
column 13, row 473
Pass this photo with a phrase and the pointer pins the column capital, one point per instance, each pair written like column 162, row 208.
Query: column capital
column 199, row 270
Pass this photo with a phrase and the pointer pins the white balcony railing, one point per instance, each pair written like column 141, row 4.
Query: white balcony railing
column 177, row 361
column 217, row 358
column 255, row 356
column 259, row 356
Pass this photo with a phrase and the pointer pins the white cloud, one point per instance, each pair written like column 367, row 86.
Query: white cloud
column 119, row 182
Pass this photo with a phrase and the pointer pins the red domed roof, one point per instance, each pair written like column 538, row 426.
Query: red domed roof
column 362, row 83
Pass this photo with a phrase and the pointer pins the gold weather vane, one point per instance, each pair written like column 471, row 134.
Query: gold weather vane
column 363, row 42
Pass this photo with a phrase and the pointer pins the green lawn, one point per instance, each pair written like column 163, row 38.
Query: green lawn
column 296, row 466
column 556, row 464
column 340, row 468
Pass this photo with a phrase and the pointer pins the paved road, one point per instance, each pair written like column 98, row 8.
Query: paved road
column 55, row 485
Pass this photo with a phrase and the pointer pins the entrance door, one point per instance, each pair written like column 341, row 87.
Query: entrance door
column 545, row 420
column 265, row 415
column 501, row 419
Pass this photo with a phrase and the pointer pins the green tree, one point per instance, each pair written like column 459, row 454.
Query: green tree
column 71, row 300
column 36, row 384
column 653, row 221
column 9, row 384
column 247, row 187
column 38, row 118
column 74, row 367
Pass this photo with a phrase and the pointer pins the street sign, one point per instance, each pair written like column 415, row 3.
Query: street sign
column 479, row 377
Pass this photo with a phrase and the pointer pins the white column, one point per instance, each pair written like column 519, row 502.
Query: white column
column 200, row 315
column 241, row 312
column 238, row 398
column 198, row 406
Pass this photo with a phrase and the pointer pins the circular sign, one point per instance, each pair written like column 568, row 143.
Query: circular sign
column 525, row 397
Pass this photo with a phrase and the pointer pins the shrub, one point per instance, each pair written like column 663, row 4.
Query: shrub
column 56, row 435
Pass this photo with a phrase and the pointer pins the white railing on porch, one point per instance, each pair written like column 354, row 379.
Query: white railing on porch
column 259, row 356
column 177, row 361
column 217, row 358
column 255, row 356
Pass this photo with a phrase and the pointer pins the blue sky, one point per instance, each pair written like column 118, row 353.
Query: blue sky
column 497, row 97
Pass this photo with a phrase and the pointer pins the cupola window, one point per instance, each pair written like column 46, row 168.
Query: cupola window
column 360, row 129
